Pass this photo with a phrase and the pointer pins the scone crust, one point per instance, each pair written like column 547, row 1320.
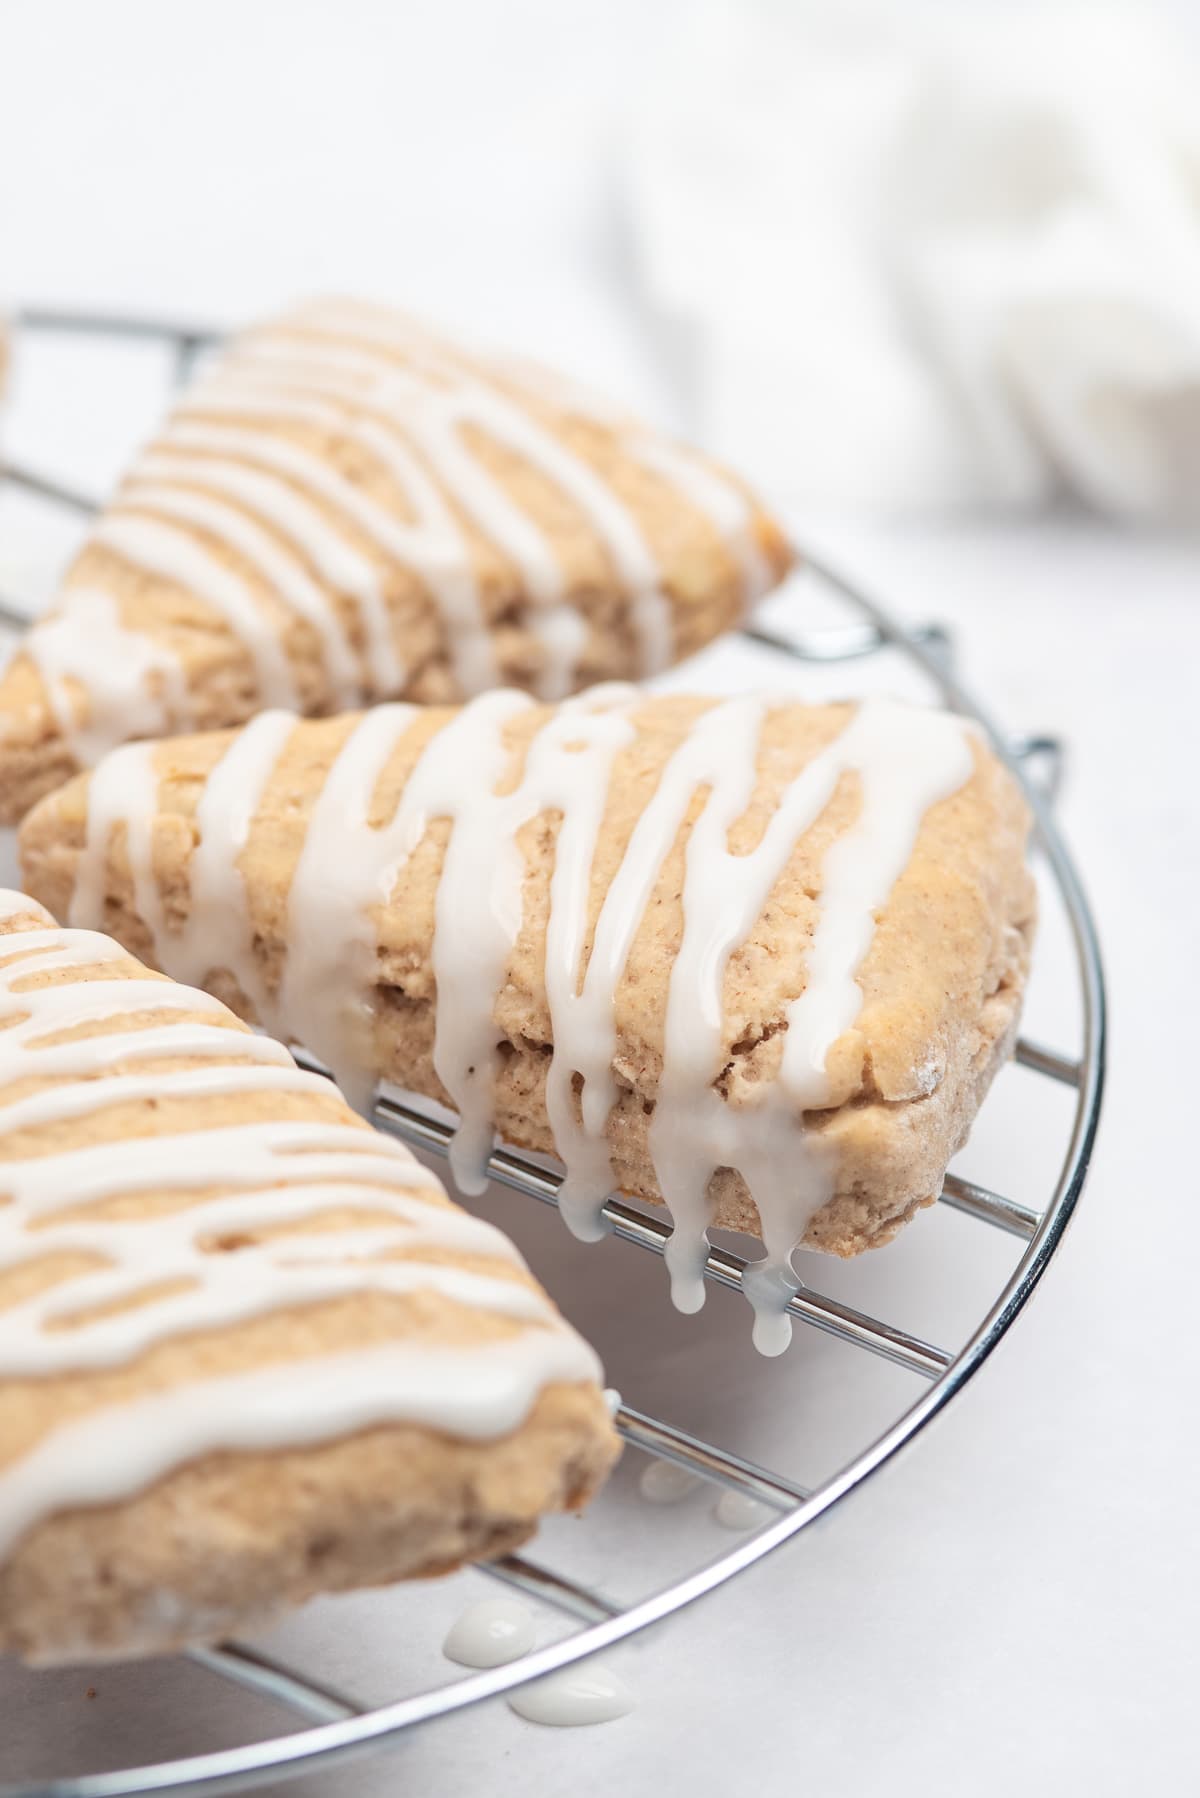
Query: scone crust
column 227, row 1539
column 231, row 1541
column 942, row 982
column 702, row 575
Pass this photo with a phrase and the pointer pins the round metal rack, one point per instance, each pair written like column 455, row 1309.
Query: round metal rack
column 335, row 1726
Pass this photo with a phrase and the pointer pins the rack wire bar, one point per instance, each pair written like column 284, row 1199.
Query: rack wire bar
column 255, row 1672
column 844, row 643
column 989, row 1207
column 667, row 1443
column 46, row 486
column 1046, row 1061
column 540, row 1582
column 339, row 1729
column 12, row 616
column 63, row 321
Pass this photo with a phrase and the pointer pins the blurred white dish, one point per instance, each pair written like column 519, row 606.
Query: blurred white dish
column 922, row 260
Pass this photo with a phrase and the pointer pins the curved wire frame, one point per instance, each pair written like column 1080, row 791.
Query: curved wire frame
column 340, row 1729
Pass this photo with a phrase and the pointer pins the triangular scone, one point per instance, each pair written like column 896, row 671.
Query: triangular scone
column 347, row 508
column 754, row 958
column 248, row 1349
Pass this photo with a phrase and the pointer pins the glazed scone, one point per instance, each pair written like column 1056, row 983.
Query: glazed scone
column 758, row 960
column 249, row 1351
column 347, row 508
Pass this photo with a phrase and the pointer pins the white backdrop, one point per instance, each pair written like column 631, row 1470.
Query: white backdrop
column 1011, row 1607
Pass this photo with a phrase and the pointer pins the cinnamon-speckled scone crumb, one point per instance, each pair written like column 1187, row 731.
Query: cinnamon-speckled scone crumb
column 941, row 982
column 347, row 507
column 104, row 1134
column 233, row 1541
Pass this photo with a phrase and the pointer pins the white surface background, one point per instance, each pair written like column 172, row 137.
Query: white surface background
column 1012, row 1606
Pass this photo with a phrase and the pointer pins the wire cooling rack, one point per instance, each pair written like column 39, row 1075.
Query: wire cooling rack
column 335, row 1725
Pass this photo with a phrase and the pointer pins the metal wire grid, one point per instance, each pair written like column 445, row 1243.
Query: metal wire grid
column 338, row 1726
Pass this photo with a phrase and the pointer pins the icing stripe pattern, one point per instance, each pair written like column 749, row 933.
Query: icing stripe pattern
column 219, row 1251
column 903, row 758
column 229, row 509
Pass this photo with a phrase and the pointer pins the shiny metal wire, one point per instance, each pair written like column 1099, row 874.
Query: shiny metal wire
column 337, row 1726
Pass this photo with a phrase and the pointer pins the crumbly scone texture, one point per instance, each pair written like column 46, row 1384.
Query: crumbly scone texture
column 230, row 1539
column 701, row 576
column 942, row 982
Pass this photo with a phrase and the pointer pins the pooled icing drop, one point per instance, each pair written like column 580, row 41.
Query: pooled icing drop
column 665, row 1484
column 490, row 1633
column 589, row 1693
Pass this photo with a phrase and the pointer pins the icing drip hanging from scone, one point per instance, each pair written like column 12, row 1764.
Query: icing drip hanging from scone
column 272, row 535
column 209, row 1224
column 903, row 760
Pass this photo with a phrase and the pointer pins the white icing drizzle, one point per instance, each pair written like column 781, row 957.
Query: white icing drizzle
column 131, row 684
column 158, row 547
column 196, row 1265
column 346, row 867
column 109, row 1455
column 235, row 462
column 20, row 905
column 216, row 932
column 432, row 546
column 123, row 790
column 274, row 566
column 903, row 760
column 393, row 401
column 390, row 388
column 702, row 483
column 432, row 413
column 308, row 531
column 490, row 1633
column 589, row 1693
